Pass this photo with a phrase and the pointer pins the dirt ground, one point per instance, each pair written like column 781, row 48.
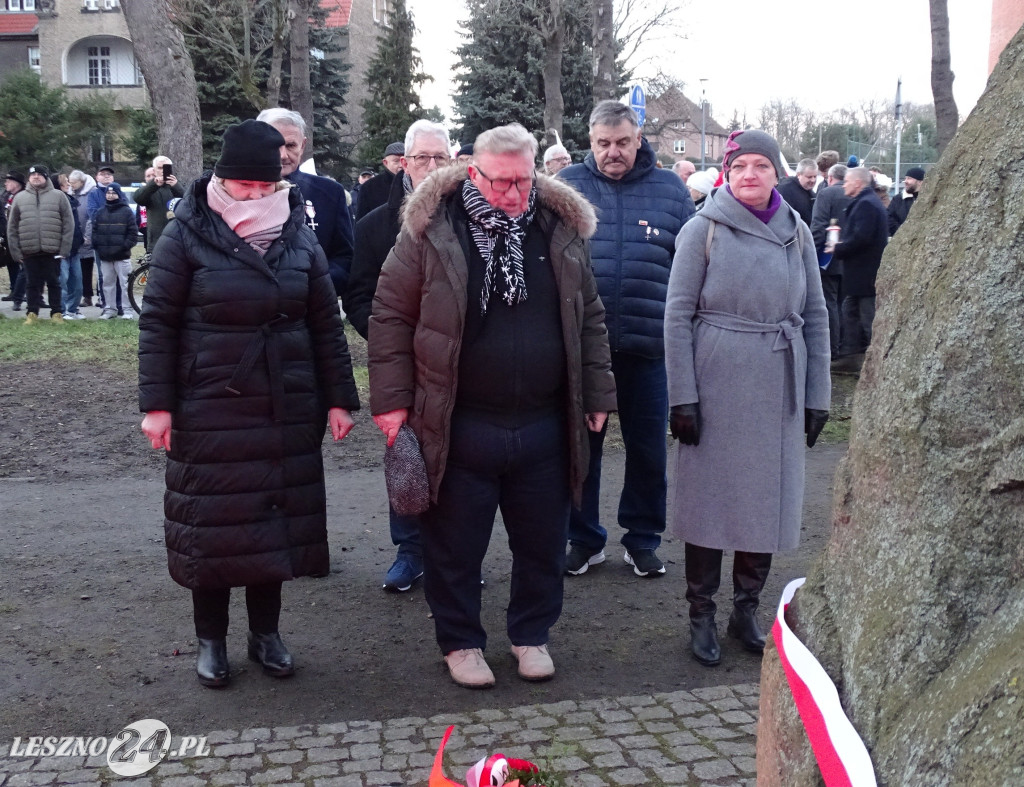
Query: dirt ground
column 95, row 635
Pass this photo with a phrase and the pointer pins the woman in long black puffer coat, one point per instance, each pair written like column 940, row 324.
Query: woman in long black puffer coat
column 242, row 363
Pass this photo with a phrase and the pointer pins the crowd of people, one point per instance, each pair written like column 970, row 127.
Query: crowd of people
column 508, row 310
column 67, row 239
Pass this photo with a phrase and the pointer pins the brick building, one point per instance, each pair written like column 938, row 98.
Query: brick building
column 673, row 128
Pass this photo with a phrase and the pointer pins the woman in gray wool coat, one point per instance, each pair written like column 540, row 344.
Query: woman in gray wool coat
column 747, row 351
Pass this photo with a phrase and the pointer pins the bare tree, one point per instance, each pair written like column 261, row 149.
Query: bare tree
column 171, row 82
column 643, row 27
column 551, row 22
column 280, row 40
column 946, row 116
column 604, row 50
column 300, row 93
column 243, row 30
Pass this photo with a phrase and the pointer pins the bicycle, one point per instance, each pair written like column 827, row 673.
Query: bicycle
column 137, row 283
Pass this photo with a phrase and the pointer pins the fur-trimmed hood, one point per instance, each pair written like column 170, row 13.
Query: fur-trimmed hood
column 561, row 198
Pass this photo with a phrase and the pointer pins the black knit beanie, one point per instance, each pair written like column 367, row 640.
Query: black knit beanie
column 251, row 151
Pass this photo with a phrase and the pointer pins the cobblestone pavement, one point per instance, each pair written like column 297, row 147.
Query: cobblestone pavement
column 699, row 737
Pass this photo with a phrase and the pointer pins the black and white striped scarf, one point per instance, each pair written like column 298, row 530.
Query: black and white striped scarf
column 499, row 239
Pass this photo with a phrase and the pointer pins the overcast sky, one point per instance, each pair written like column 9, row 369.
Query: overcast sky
column 752, row 51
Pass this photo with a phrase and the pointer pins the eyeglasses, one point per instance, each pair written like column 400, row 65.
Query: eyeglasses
column 502, row 185
column 422, row 160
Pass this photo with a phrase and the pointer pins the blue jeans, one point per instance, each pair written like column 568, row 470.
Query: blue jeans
column 641, row 388
column 405, row 533
column 18, row 284
column 71, row 283
column 524, row 471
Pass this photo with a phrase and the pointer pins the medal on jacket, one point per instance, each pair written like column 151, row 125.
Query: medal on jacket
column 310, row 215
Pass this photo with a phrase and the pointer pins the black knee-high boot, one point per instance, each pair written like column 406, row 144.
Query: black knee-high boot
column 749, row 573
column 703, row 576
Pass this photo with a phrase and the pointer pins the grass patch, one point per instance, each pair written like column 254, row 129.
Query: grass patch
column 837, row 430
column 111, row 343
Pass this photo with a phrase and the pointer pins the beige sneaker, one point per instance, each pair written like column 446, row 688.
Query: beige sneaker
column 534, row 662
column 468, row 668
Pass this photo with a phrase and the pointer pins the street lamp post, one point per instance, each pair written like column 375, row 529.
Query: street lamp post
column 703, row 120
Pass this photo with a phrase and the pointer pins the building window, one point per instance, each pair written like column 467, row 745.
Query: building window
column 99, row 65
column 679, row 146
column 382, row 12
column 101, row 149
column 90, row 5
column 21, row 5
column 110, row 5
column 33, row 58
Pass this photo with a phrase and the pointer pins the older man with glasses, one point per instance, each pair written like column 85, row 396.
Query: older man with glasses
column 556, row 158
column 487, row 337
column 427, row 149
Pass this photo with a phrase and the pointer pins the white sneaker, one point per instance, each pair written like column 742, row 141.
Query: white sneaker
column 74, row 316
column 127, row 316
column 108, row 315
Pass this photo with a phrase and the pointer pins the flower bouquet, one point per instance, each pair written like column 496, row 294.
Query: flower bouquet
column 494, row 771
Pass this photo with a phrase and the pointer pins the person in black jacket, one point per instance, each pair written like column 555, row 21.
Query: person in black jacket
column 242, row 364
column 13, row 183
column 375, row 191
column 862, row 240
column 427, row 145
column 798, row 191
column 900, row 207
column 326, row 202
column 113, row 235
column 830, row 203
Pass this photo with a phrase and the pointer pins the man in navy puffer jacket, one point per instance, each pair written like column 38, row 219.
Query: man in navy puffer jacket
column 640, row 210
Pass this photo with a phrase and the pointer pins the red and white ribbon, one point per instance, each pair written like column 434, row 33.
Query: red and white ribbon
column 842, row 756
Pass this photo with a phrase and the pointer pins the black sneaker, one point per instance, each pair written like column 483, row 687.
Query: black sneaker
column 580, row 559
column 645, row 562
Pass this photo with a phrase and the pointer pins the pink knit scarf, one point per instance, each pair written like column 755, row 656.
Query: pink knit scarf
column 258, row 221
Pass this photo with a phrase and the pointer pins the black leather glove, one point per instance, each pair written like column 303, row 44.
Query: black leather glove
column 684, row 422
column 814, row 422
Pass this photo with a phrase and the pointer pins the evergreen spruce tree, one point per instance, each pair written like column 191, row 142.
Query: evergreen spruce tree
column 501, row 80
column 393, row 74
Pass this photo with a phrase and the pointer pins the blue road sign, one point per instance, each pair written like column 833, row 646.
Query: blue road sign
column 638, row 102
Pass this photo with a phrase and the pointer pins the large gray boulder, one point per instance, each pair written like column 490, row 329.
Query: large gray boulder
column 916, row 608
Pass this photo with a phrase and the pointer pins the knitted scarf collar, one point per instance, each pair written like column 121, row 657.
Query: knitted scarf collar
column 499, row 238
column 774, row 203
column 258, row 221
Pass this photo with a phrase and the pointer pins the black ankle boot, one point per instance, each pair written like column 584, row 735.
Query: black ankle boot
column 269, row 650
column 212, row 663
column 749, row 573
column 704, row 641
